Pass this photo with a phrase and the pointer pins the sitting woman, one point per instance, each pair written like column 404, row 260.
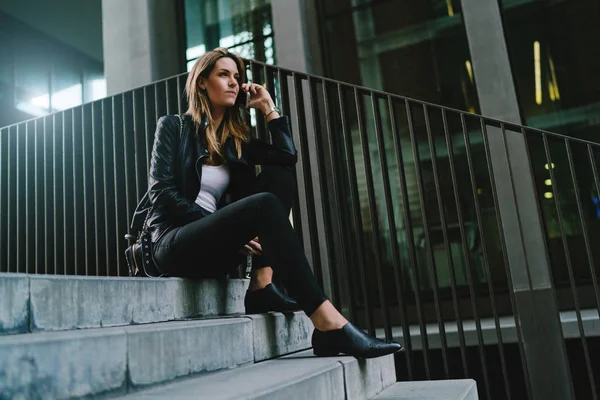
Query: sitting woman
column 209, row 207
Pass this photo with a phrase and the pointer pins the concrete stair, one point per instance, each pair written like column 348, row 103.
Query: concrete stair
column 70, row 337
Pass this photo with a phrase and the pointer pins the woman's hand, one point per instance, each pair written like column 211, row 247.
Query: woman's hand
column 253, row 247
column 260, row 98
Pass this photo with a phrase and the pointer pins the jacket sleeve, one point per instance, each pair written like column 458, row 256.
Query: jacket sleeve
column 161, row 183
column 281, row 152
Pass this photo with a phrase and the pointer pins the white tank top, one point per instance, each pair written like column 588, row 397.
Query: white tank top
column 215, row 180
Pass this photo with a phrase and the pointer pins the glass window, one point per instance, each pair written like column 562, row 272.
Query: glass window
column 414, row 48
column 553, row 46
column 242, row 27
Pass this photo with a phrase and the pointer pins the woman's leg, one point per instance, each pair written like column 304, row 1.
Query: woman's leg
column 281, row 182
column 196, row 248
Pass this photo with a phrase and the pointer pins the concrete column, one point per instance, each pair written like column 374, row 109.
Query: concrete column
column 297, row 44
column 143, row 42
column 535, row 297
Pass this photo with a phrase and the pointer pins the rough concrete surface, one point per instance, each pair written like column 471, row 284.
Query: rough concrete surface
column 53, row 365
column 161, row 352
column 462, row 389
column 75, row 302
column 276, row 334
column 365, row 378
column 14, row 306
column 301, row 377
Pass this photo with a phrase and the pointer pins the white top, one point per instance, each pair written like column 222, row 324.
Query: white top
column 215, row 180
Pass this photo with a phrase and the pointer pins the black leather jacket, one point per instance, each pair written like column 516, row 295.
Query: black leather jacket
column 176, row 170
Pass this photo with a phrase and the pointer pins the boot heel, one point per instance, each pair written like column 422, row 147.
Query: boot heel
column 325, row 352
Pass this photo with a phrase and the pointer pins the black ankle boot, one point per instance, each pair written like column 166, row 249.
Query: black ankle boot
column 268, row 299
column 351, row 341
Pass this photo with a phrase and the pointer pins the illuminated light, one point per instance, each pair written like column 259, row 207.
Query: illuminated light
column 554, row 82
column 538, row 72
column 450, row 8
column 98, row 88
column 548, row 182
column 195, row 52
column 479, row 191
column 551, row 91
column 548, row 195
column 546, row 166
column 469, row 69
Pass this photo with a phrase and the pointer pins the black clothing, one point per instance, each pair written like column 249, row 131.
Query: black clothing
column 175, row 169
column 191, row 242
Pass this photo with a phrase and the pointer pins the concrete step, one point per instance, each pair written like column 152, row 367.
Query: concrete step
column 461, row 389
column 113, row 360
column 299, row 376
column 34, row 303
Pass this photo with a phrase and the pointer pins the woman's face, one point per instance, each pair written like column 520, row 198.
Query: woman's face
column 222, row 84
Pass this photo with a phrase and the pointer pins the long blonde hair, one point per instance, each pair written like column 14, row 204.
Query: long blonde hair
column 199, row 104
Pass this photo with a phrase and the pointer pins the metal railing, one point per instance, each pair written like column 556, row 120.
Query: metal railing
column 401, row 211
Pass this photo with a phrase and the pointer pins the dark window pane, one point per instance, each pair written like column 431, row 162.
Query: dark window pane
column 555, row 61
column 413, row 48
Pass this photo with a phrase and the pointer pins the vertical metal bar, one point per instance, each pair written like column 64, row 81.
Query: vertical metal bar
column 44, row 189
column 327, row 271
column 410, row 239
column 296, row 212
column 364, row 141
column 3, row 201
column 107, row 234
column 355, row 212
column 118, row 199
column 431, row 262
column 17, row 171
column 65, row 232
column 563, row 236
column 10, row 194
column 179, row 95
column 463, row 239
column 54, row 194
column 597, row 185
column 486, row 146
column 308, row 189
column 86, row 191
column 3, row 246
column 438, row 192
column 30, row 232
column 392, row 228
column 95, row 169
column 335, row 185
column 481, row 234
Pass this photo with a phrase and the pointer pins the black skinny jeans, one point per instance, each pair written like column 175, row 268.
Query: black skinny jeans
column 209, row 247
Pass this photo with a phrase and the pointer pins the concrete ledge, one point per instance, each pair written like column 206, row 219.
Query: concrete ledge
column 276, row 334
column 463, row 389
column 366, row 378
column 162, row 352
column 295, row 377
column 363, row 378
column 14, row 306
column 589, row 318
column 53, row 365
column 75, row 302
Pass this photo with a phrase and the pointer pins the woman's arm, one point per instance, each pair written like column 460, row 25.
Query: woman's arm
column 161, row 182
column 281, row 152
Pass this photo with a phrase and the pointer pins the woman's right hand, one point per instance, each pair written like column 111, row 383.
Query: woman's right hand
column 252, row 247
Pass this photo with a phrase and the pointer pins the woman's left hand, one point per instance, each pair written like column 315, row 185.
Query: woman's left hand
column 260, row 98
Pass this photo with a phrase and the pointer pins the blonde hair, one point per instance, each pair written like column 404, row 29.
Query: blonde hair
column 199, row 104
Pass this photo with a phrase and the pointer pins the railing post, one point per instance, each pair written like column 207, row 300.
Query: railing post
column 537, row 316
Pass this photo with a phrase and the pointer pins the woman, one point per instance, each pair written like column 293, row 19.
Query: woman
column 209, row 161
